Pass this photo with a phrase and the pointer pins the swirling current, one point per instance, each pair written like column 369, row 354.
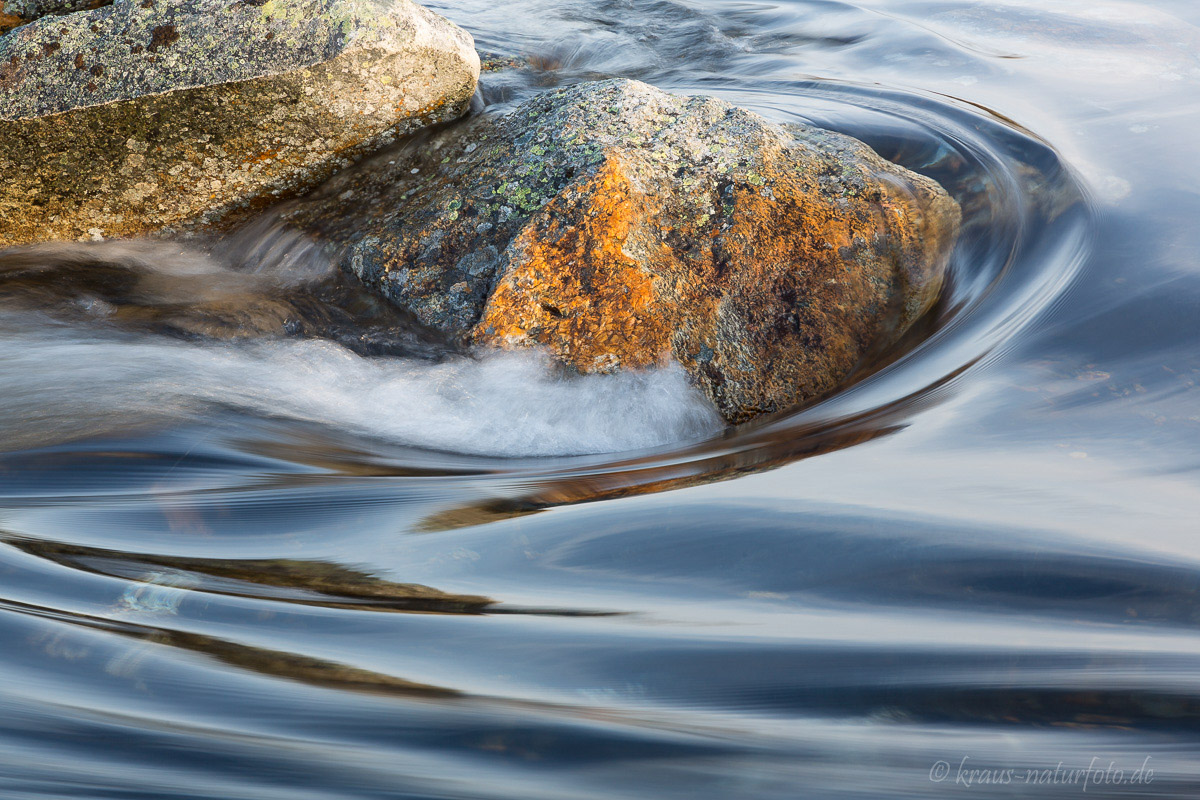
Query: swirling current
column 352, row 563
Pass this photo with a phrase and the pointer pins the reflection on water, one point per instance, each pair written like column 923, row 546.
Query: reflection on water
column 263, row 537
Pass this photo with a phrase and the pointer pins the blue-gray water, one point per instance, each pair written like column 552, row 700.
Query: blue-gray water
column 302, row 569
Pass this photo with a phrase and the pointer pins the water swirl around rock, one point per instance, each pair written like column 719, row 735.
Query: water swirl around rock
column 353, row 560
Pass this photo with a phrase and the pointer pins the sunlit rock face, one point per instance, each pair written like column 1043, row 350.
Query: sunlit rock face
column 622, row 227
column 139, row 117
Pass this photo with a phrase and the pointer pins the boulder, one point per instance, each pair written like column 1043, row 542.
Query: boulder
column 620, row 226
column 140, row 117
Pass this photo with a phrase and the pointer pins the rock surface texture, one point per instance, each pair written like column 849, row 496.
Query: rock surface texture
column 139, row 117
column 620, row 226
column 19, row 12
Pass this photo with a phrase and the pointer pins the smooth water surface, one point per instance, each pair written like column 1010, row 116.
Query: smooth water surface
column 355, row 563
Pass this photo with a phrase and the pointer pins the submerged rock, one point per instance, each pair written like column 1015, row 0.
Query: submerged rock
column 261, row 284
column 142, row 116
column 620, row 226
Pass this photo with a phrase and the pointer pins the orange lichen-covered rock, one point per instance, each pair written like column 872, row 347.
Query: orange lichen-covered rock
column 622, row 227
column 574, row 289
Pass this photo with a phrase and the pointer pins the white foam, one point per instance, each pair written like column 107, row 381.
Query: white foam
column 54, row 381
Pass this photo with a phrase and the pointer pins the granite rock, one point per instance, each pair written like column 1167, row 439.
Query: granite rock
column 621, row 227
column 149, row 116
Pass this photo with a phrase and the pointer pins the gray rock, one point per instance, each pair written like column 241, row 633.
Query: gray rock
column 620, row 227
column 145, row 116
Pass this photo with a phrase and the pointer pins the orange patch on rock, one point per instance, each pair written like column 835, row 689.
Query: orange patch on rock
column 574, row 289
column 10, row 21
column 259, row 158
column 772, row 301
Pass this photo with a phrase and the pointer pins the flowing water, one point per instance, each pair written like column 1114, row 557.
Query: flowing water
column 355, row 563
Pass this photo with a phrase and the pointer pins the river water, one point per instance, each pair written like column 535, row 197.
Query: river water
column 353, row 565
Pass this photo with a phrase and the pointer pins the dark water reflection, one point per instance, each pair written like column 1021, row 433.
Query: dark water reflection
column 349, row 563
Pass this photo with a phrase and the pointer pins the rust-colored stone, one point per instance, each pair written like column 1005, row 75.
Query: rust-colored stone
column 10, row 21
column 621, row 227
column 575, row 290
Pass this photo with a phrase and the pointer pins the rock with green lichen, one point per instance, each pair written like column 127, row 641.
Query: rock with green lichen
column 140, row 117
column 622, row 227
column 20, row 12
